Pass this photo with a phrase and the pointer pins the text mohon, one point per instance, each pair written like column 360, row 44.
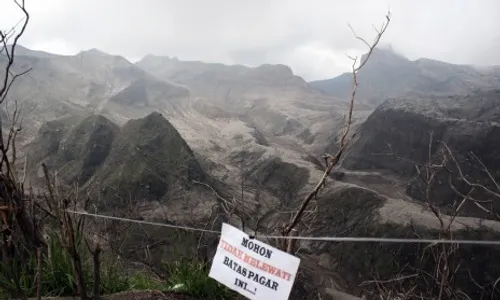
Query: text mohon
column 253, row 268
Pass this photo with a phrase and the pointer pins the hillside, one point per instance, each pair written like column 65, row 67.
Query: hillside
column 59, row 86
column 269, row 98
column 143, row 170
column 388, row 75
column 219, row 110
column 75, row 147
column 145, row 159
column 358, row 212
column 401, row 128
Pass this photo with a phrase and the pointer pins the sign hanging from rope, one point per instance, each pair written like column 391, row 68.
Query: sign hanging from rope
column 253, row 268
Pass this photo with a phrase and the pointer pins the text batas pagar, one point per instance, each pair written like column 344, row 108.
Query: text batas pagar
column 252, row 268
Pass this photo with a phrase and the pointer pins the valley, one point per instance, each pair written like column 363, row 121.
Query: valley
column 197, row 144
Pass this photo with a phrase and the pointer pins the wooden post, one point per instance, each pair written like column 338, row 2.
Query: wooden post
column 40, row 273
column 291, row 243
column 97, row 268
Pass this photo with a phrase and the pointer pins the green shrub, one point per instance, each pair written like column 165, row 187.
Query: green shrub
column 113, row 280
column 191, row 277
column 18, row 278
column 140, row 281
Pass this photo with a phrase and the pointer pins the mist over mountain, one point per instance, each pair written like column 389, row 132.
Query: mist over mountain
column 218, row 109
column 388, row 74
column 269, row 97
column 226, row 111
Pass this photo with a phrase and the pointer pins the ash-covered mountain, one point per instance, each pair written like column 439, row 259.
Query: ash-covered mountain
column 228, row 114
column 388, row 75
column 269, row 98
column 141, row 170
column 261, row 131
column 91, row 81
column 218, row 109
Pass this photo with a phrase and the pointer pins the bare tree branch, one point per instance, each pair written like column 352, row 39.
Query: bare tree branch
column 333, row 160
column 11, row 54
column 463, row 178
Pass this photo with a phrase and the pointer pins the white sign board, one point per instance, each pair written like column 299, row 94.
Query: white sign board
column 252, row 268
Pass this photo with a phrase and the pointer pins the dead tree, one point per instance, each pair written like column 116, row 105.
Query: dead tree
column 332, row 160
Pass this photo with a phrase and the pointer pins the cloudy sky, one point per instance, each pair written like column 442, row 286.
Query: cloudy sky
column 310, row 36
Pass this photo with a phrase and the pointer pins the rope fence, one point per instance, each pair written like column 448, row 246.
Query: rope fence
column 305, row 238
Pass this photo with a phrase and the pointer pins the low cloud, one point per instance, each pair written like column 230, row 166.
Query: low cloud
column 310, row 36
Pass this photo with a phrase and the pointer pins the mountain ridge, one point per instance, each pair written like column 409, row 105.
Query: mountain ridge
column 389, row 74
column 25, row 51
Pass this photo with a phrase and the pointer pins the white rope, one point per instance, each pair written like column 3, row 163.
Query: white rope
column 143, row 222
column 307, row 238
column 384, row 240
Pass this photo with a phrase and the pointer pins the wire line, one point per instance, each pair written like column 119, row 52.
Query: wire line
column 306, row 238
column 143, row 222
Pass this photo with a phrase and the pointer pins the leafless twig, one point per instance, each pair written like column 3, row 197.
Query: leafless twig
column 331, row 161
